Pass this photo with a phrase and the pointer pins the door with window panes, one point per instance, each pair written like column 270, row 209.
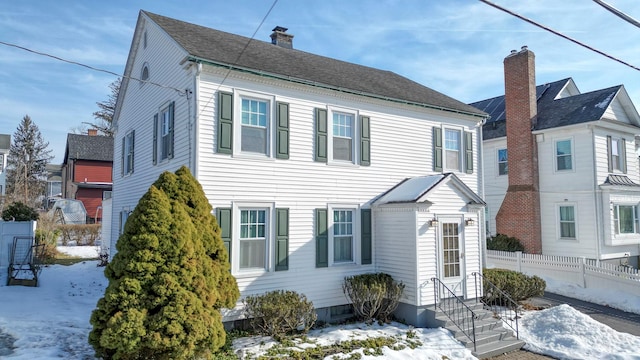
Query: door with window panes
column 451, row 254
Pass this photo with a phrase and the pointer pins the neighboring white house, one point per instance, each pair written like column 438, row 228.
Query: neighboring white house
column 318, row 169
column 587, row 169
column 5, row 145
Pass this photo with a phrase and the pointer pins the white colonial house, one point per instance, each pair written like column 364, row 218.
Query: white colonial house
column 317, row 169
column 580, row 156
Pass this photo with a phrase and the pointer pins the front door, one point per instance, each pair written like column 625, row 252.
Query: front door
column 452, row 256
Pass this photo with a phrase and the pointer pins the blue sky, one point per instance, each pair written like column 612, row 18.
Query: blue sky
column 454, row 46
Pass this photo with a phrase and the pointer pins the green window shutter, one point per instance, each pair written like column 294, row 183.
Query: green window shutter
column 225, row 122
column 322, row 238
column 623, row 156
column 365, row 141
column 282, row 138
column 609, row 154
column 365, row 234
column 223, row 216
column 133, row 144
column 468, row 152
column 122, row 157
column 321, row 135
column 155, row 139
column 171, row 127
column 437, row 149
column 282, row 239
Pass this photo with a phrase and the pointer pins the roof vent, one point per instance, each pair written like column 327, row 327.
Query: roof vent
column 281, row 38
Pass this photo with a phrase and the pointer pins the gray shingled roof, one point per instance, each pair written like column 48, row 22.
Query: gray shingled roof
column 223, row 48
column 551, row 113
column 5, row 141
column 85, row 147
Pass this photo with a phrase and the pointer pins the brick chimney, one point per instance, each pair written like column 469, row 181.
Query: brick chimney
column 281, row 38
column 519, row 214
column 92, row 132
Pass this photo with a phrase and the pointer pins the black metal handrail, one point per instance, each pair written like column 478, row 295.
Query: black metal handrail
column 506, row 310
column 455, row 309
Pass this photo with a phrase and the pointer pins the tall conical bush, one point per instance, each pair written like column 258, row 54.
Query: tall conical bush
column 168, row 280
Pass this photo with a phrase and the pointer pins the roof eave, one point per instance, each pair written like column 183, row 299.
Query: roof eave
column 330, row 87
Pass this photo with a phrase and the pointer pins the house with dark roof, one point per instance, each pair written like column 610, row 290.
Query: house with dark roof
column 307, row 162
column 561, row 166
column 5, row 146
column 87, row 171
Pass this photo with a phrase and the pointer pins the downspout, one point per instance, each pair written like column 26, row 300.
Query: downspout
column 193, row 128
column 597, row 196
column 481, row 227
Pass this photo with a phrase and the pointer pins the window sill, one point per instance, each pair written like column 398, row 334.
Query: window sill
column 627, row 239
column 253, row 156
column 241, row 274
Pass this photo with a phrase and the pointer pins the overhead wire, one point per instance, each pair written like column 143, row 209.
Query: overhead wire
column 235, row 62
column 560, row 34
column 618, row 13
column 88, row 66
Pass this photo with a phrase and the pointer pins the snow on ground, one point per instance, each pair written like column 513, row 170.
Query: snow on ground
column 52, row 322
column 84, row 252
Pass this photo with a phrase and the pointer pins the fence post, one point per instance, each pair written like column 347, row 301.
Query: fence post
column 519, row 263
column 583, row 271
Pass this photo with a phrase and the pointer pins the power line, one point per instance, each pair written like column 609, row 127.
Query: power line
column 560, row 34
column 88, row 66
column 618, row 13
column 235, row 62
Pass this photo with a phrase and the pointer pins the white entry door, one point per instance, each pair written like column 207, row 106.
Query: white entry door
column 452, row 255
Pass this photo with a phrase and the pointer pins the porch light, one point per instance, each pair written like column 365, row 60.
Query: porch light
column 433, row 222
column 469, row 222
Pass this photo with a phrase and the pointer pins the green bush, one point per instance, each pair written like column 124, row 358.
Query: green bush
column 504, row 243
column 18, row 211
column 168, row 281
column 517, row 285
column 279, row 313
column 373, row 296
column 47, row 241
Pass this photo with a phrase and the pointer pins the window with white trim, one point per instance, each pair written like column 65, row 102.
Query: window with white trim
column 503, row 166
column 128, row 143
column 254, row 131
column 625, row 219
column 342, row 139
column 567, row 221
column 253, row 239
column 617, row 157
column 1, row 162
column 452, row 149
column 166, row 132
column 564, row 155
column 343, row 233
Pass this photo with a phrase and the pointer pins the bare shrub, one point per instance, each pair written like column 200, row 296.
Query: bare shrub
column 84, row 234
column 279, row 313
column 373, row 296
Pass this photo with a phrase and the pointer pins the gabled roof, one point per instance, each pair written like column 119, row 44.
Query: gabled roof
column 414, row 190
column 553, row 111
column 5, row 141
column 85, row 147
column 219, row 48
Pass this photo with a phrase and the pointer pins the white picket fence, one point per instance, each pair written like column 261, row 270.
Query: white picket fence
column 586, row 273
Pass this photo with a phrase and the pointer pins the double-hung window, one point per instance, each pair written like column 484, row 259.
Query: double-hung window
column 452, row 149
column 564, row 155
column 625, row 218
column 616, row 149
column 503, row 165
column 253, row 239
column 128, row 142
column 166, row 132
column 254, row 136
column 343, row 236
column 1, row 162
column 343, row 130
column 567, row 222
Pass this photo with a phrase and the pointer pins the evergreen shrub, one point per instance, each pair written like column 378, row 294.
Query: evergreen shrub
column 504, row 243
column 18, row 211
column 373, row 296
column 279, row 313
column 168, row 280
column 515, row 284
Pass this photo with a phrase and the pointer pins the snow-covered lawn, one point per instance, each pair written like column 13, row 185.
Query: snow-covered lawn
column 52, row 322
